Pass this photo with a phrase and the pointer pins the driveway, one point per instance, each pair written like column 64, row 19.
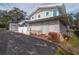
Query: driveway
column 19, row 44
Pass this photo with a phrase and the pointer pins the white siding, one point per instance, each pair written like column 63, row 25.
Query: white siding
column 45, row 27
column 34, row 17
column 42, row 14
column 22, row 30
column 54, row 26
column 36, row 26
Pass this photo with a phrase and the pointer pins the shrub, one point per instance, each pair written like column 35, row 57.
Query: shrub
column 2, row 25
column 54, row 36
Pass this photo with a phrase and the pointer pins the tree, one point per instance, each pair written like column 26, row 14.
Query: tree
column 14, row 15
column 70, row 19
column 77, row 18
column 3, row 18
column 17, row 15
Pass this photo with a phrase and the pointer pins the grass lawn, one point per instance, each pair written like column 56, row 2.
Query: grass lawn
column 74, row 40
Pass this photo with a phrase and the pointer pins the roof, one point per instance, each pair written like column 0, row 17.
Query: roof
column 46, row 6
column 23, row 23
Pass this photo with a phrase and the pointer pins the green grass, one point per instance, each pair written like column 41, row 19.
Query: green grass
column 74, row 40
column 59, row 52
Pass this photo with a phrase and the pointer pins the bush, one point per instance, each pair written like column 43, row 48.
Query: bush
column 77, row 33
column 2, row 25
column 74, row 40
column 53, row 36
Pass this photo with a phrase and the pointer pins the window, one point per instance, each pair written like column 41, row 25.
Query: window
column 47, row 13
column 32, row 17
column 54, row 12
column 38, row 16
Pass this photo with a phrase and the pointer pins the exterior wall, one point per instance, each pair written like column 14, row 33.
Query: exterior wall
column 42, row 13
column 63, row 29
column 54, row 26
column 22, row 30
column 45, row 27
column 13, row 27
column 35, row 26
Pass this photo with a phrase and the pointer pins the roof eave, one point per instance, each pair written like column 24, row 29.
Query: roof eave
column 62, row 18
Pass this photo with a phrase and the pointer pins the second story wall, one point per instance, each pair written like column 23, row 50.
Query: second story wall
column 44, row 13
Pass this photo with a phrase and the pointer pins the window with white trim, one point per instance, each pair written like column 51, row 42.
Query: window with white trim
column 39, row 16
column 47, row 13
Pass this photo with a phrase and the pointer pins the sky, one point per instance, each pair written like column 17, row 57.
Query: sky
column 28, row 7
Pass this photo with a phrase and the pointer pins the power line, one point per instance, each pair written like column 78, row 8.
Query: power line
column 8, row 5
column 3, row 4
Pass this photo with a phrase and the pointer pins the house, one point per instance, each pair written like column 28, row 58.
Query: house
column 44, row 19
column 48, row 18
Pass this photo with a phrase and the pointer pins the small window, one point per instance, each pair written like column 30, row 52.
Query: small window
column 32, row 17
column 38, row 16
column 47, row 13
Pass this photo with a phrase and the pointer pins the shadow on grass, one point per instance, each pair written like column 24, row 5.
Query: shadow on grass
column 77, row 34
